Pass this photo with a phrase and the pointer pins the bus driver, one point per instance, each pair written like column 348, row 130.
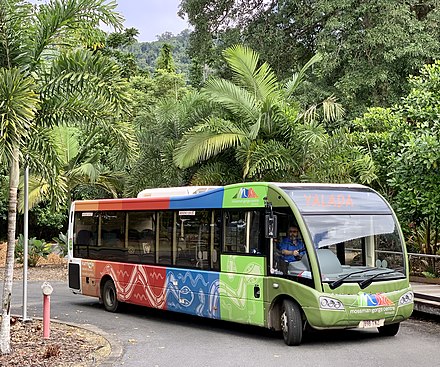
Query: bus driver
column 291, row 246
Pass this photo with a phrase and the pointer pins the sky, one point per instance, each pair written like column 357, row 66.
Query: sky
column 152, row 17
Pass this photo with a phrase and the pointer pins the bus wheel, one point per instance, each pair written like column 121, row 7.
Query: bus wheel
column 291, row 323
column 109, row 297
column 389, row 330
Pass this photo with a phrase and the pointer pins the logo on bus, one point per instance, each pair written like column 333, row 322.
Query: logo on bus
column 245, row 193
column 373, row 300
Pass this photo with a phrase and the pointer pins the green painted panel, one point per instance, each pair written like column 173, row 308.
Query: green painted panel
column 242, row 289
column 248, row 195
column 277, row 198
column 243, row 264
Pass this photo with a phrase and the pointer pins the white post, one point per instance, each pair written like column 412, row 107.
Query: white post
column 25, row 240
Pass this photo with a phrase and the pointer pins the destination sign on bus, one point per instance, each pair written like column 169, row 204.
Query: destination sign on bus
column 325, row 200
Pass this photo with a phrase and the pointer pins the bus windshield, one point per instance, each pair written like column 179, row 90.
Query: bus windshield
column 354, row 234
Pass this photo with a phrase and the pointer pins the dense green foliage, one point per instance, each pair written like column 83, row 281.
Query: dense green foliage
column 147, row 53
column 369, row 47
column 406, row 145
column 259, row 130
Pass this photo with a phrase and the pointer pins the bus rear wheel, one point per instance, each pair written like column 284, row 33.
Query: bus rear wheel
column 291, row 323
column 389, row 330
column 109, row 297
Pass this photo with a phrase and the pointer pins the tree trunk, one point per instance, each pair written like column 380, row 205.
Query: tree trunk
column 5, row 328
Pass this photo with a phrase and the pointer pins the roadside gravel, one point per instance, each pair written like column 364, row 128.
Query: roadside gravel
column 68, row 345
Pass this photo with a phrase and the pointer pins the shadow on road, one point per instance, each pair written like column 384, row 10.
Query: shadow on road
column 311, row 336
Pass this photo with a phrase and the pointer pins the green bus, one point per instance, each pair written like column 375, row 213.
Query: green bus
column 217, row 252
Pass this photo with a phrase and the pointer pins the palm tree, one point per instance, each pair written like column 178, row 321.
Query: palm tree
column 258, row 122
column 44, row 83
column 78, row 167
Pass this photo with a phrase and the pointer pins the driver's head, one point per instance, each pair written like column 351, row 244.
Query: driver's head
column 293, row 231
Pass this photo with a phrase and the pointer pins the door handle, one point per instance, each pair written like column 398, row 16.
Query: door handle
column 257, row 291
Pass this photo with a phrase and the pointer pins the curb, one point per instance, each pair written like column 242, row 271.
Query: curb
column 115, row 346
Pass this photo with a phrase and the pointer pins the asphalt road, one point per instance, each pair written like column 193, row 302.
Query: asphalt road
column 155, row 338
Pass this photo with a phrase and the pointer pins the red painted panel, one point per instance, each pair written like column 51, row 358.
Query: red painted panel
column 139, row 284
column 110, row 204
column 123, row 204
column 146, row 204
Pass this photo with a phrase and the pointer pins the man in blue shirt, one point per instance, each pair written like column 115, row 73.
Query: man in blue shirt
column 291, row 246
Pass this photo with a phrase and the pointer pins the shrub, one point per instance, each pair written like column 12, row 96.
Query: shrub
column 36, row 249
column 62, row 244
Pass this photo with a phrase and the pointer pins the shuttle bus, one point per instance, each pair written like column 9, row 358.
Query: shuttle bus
column 215, row 252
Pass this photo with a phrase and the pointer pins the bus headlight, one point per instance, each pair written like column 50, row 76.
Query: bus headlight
column 327, row 303
column 408, row 297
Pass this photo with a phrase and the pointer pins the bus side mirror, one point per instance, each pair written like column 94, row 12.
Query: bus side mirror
column 271, row 226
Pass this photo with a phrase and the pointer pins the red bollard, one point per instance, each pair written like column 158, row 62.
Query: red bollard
column 47, row 291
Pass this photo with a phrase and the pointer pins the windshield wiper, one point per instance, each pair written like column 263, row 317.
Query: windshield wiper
column 338, row 282
column 365, row 283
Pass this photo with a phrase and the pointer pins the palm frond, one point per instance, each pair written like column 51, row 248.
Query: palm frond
column 18, row 105
column 82, row 75
column 66, row 142
column 297, row 78
column 87, row 171
column 243, row 61
column 259, row 81
column 234, row 98
column 206, row 140
column 15, row 34
column 312, row 133
column 110, row 182
column 264, row 157
column 124, row 144
column 41, row 155
column 332, row 110
column 56, row 21
column 42, row 190
column 216, row 173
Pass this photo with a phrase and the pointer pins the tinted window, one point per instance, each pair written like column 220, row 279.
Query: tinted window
column 193, row 235
column 242, row 231
column 165, row 237
column 85, row 233
column 141, row 237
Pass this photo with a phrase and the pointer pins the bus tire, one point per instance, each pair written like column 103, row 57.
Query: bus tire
column 109, row 296
column 291, row 323
column 389, row 330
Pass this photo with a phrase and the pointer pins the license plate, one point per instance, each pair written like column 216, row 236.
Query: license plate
column 371, row 323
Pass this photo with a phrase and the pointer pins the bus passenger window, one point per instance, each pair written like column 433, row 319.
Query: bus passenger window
column 242, row 231
column 141, row 237
column 112, row 245
column 113, row 229
column 215, row 239
column 234, row 231
column 193, row 231
column 256, row 225
column 165, row 237
column 85, row 234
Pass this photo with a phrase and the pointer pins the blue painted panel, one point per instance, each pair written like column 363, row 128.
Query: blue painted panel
column 206, row 200
column 193, row 291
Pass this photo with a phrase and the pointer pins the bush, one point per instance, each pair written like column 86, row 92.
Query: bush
column 62, row 244
column 36, row 249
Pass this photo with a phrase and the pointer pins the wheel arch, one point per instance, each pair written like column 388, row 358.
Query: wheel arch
column 103, row 281
column 274, row 312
